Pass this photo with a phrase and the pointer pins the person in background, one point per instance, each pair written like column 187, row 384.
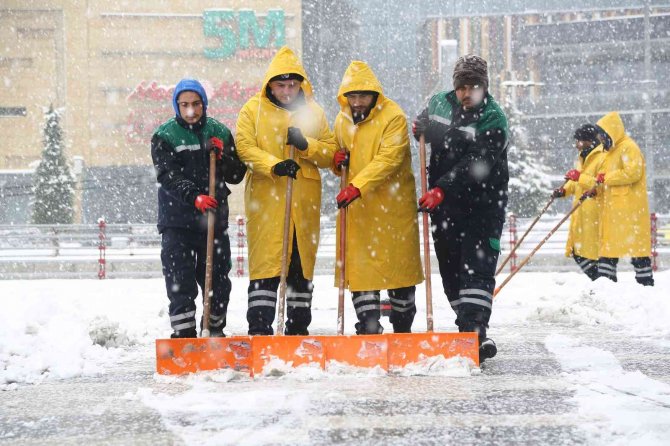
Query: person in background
column 584, row 233
column 625, row 223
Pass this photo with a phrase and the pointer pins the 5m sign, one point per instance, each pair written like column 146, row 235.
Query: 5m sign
column 240, row 33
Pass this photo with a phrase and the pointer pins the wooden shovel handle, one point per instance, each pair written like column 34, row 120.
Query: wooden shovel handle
column 342, row 257
column 426, row 237
column 284, row 251
column 211, row 220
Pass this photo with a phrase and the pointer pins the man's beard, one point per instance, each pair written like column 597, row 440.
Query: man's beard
column 360, row 115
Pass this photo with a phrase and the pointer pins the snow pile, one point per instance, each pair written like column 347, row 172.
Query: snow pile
column 212, row 413
column 45, row 341
column 217, row 376
column 56, row 331
column 573, row 299
column 276, row 368
column 457, row 367
column 623, row 407
column 106, row 333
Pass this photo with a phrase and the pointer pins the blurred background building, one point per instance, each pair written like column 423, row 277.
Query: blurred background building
column 111, row 65
column 557, row 63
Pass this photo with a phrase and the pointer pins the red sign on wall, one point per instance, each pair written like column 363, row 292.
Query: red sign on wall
column 150, row 105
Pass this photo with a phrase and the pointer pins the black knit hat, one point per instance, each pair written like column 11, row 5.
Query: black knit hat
column 288, row 77
column 471, row 70
column 587, row 132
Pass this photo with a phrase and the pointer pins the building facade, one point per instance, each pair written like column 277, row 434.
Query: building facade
column 111, row 67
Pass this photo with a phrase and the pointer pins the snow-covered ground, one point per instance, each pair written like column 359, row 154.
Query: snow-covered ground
column 60, row 330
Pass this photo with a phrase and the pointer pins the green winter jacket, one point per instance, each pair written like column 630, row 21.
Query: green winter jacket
column 180, row 156
column 468, row 158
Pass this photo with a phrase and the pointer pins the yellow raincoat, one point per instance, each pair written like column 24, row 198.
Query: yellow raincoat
column 625, row 228
column 584, row 234
column 261, row 143
column 382, row 249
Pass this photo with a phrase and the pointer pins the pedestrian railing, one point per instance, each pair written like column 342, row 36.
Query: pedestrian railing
column 140, row 243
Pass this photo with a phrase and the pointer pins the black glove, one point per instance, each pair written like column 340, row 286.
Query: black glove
column 296, row 139
column 421, row 124
column 558, row 193
column 590, row 193
column 286, row 168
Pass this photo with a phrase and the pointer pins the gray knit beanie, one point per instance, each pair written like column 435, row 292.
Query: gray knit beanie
column 471, row 70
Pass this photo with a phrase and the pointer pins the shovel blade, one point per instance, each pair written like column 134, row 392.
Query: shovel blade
column 190, row 355
column 253, row 354
column 294, row 351
column 357, row 351
column 408, row 348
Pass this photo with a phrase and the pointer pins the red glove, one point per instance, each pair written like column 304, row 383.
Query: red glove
column 347, row 195
column 204, row 202
column 217, row 145
column 341, row 158
column 572, row 175
column 600, row 178
column 431, row 199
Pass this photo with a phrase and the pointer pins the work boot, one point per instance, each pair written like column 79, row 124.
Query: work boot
column 187, row 333
column 369, row 326
column 645, row 281
column 487, row 349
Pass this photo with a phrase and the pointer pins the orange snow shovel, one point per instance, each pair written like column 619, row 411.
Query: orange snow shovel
column 188, row 355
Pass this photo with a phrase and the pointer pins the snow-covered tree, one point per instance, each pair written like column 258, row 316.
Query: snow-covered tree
column 54, row 183
column 529, row 179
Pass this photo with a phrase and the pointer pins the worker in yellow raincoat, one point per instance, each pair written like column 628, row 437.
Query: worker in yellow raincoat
column 625, row 226
column 584, row 233
column 282, row 114
column 382, row 234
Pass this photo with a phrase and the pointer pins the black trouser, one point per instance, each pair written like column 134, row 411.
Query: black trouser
column 467, row 246
column 368, row 310
column 263, row 300
column 642, row 265
column 588, row 266
column 184, row 254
